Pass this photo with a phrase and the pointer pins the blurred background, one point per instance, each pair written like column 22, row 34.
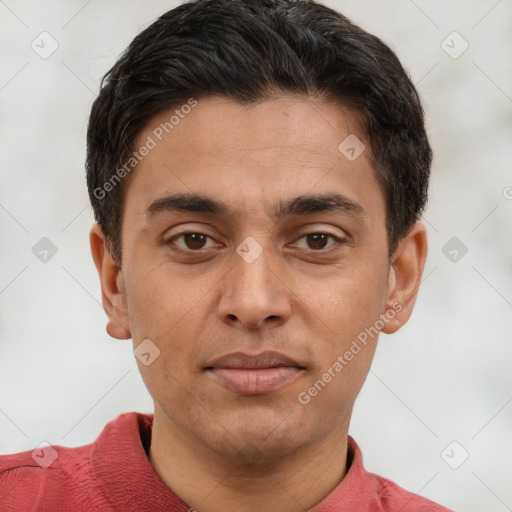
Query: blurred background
column 435, row 414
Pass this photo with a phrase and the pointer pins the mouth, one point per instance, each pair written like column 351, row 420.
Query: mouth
column 256, row 374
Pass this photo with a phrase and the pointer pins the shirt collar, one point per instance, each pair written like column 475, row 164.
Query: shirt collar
column 120, row 465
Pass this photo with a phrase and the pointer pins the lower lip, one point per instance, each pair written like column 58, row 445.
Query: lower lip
column 258, row 381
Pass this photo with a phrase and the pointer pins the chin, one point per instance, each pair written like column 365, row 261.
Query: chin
column 249, row 451
column 259, row 438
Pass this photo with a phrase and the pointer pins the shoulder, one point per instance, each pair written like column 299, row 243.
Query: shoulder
column 363, row 490
column 54, row 477
column 393, row 497
column 27, row 479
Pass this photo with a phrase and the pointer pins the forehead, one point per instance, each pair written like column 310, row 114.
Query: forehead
column 251, row 154
column 284, row 121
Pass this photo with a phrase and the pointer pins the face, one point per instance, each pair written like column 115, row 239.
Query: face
column 255, row 260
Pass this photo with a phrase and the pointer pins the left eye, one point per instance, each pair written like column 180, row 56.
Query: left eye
column 191, row 241
column 317, row 241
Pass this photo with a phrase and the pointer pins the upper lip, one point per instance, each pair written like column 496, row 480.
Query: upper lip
column 269, row 359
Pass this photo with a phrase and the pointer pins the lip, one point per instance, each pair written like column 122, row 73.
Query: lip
column 254, row 374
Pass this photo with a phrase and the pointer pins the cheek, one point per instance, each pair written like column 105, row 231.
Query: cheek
column 167, row 312
column 158, row 299
column 344, row 311
column 349, row 300
column 343, row 345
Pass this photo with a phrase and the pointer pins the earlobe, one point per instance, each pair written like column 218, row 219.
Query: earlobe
column 112, row 286
column 405, row 276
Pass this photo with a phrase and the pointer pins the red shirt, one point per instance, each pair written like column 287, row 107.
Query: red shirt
column 114, row 474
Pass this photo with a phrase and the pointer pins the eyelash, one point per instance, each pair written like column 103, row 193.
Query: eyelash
column 336, row 239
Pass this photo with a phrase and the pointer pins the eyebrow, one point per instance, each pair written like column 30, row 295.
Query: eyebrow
column 301, row 205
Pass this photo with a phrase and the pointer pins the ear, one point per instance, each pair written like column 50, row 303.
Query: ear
column 405, row 276
column 112, row 286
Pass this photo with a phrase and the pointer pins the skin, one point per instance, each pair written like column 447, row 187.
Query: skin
column 307, row 297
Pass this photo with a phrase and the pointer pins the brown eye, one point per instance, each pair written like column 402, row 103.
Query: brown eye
column 191, row 241
column 195, row 241
column 317, row 241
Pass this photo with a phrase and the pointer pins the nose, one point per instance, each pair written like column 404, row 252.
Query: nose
column 254, row 295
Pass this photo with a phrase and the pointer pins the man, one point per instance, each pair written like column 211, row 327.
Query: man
column 257, row 169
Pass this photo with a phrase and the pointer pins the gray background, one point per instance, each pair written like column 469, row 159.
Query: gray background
column 444, row 377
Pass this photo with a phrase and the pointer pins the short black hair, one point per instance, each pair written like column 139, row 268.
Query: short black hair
column 248, row 51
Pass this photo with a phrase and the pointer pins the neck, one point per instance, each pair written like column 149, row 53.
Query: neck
column 209, row 482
